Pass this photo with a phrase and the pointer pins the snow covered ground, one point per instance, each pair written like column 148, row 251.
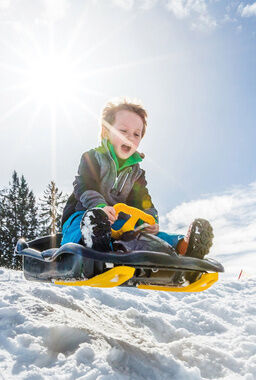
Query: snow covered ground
column 49, row 331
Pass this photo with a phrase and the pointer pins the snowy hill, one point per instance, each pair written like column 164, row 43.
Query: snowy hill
column 49, row 331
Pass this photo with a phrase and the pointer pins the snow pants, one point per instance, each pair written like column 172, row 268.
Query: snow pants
column 72, row 233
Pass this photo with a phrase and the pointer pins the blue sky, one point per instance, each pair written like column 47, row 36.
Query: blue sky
column 191, row 63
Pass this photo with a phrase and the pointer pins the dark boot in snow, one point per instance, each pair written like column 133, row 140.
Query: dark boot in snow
column 196, row 243
column 96, row 230
column 198, row 240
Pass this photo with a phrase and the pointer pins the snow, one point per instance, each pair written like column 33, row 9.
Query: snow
column 50, row 331
column 87, row 228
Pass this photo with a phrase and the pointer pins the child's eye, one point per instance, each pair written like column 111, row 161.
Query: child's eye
column 137, row 135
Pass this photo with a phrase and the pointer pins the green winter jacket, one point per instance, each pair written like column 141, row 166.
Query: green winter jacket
column 102, row 181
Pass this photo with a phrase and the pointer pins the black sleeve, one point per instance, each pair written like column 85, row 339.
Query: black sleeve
column 86, row 184
column 139, row 197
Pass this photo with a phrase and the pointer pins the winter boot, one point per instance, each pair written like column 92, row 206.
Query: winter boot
column 196, row 243
column 198, row 240
column 96, row 230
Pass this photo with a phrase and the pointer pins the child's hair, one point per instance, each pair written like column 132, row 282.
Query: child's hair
column 108, row 113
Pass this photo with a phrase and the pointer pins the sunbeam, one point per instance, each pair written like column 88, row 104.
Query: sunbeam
column 12, row 68
column 80, row 24
column 53, row 142
column 53, row 79
column 50, row 76
column 128, row 65
column 14, row 109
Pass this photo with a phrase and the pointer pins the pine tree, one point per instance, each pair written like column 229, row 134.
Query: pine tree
column 18, row 219
column 51, row 207
column 3, row 229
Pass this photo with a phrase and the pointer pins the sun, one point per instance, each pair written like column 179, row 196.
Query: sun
column 56, row 79
column 53, row 79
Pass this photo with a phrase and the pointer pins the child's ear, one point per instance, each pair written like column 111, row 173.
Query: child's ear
column 104, row 132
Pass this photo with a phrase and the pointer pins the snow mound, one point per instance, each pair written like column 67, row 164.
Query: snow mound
column 49, row 331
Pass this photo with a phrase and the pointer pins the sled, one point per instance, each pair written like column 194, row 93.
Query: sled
column 158, row 267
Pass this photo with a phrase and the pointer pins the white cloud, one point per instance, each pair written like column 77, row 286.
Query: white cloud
column 130, row 4
column 204, row 22
column 185, row 8
column 232, row 215
column 148, row 4
column 179, row 8
column 125, row 4
column 248, row 10
column 194, row 9
column 239, row 28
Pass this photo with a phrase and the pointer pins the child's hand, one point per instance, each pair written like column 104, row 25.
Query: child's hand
column 111, row 213
column 154, row 229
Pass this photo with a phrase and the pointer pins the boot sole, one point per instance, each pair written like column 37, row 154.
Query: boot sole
column 200, row 240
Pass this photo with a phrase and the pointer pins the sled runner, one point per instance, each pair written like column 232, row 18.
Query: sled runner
column 138, row 260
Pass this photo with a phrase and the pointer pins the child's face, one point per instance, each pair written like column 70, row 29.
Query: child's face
column 126, row 133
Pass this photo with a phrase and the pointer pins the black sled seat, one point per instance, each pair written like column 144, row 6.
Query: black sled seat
column 45, row 260
column 154, row 267
column 74, row 261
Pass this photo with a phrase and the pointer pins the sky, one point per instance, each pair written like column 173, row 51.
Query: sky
column 232, row 215
column 191, row 63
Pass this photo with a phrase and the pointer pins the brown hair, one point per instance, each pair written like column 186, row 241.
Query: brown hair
column 108, row 113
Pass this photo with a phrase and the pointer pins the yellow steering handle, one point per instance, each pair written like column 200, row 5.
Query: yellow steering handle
column 135, row 213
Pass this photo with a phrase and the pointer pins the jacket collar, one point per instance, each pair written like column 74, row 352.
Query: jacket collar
column 132, row 160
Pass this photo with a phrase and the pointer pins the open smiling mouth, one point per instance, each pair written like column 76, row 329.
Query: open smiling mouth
column 126, row 148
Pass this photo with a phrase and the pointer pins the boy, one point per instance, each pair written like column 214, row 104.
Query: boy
column 111, row 174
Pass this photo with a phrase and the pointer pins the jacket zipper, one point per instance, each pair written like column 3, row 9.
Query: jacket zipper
column 125, row 179
column 115, row 185
column 118, row 178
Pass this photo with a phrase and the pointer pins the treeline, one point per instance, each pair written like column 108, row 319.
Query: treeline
column 21, row 215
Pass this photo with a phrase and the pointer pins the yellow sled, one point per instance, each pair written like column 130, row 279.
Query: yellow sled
column 157, row 268
column 119, row 275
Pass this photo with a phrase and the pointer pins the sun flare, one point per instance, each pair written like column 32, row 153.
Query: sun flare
column 53, row 79
column 57, row 79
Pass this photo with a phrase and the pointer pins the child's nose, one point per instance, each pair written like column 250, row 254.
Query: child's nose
column 131, row 139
